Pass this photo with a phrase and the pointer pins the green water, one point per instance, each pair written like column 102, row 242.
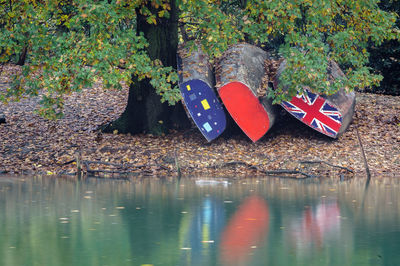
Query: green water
column 56, row 221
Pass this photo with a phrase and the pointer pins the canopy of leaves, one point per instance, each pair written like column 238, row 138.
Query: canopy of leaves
column 73, row 43
column 306, row 33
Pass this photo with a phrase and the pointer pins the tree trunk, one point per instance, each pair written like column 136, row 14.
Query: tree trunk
column 2, row 118
column 22, row 56
column 144, row 112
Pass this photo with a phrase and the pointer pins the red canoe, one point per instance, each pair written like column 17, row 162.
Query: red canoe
column 245, row 109
column 239, row 74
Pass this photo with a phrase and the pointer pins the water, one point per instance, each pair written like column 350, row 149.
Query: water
column 55, row 221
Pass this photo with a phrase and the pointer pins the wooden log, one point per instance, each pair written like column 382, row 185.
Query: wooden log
column 194, row 64
column 239, row 73
column 329, row 114
column 196, row 86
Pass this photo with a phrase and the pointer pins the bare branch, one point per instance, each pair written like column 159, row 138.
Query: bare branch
column 323, row 162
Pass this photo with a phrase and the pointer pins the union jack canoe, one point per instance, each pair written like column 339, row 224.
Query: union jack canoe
column 328, row 114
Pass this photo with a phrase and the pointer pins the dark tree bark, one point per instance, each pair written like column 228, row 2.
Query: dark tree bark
column 22, row 56
column 2, row 118
column 144, row 112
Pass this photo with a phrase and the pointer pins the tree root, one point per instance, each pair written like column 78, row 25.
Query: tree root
column 125, row 173
column 266, row 172
column 177, row 165
column 363, row 156
column 323, row 162
column 125, row 170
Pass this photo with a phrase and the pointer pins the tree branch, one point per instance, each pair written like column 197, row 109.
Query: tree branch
column 323, row 162
column 267, row 172
column 363, row 156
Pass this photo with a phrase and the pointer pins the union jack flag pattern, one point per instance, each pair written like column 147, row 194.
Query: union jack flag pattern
column 314, row 111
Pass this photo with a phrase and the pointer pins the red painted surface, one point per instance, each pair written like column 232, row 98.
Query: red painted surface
column 246, row 229
column 245, row 109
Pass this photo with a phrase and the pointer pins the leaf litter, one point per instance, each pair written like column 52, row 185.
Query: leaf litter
column 31, row 144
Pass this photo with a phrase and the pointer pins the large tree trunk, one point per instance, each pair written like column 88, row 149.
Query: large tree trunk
column 144, row 112
column 22, row 56
column 2, row 118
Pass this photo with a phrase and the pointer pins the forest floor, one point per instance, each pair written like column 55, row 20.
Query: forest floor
column 31, row 144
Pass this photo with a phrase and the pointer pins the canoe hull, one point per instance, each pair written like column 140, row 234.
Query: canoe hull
column 330, row 115
column 245, row 109
column 196, row 85
column 239, row 75
column 204, row 108
column 316, row 112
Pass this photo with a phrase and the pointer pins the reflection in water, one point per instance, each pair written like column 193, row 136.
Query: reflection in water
column 48, row 221
column 199, row 231
column 245, row 231
column 315, row 227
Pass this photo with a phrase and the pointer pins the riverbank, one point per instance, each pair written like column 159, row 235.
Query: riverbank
column 31, row 144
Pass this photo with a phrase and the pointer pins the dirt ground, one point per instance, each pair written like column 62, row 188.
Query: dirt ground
column 33, row 145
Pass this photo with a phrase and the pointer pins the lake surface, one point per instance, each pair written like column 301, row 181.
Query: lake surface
column 271, row 221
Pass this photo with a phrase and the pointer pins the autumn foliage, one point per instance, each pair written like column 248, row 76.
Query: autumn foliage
column 68, row 45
